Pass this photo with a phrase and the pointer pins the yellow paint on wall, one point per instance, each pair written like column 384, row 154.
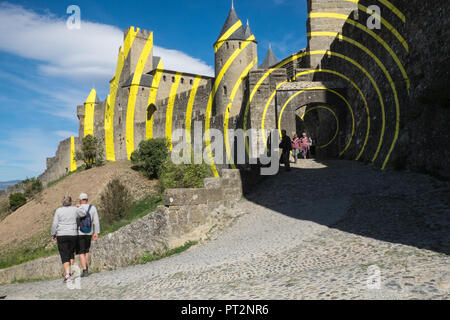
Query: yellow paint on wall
column 73, row 163
column 189, row 109
column 152, row 98
column 133, row 94
column 89, row 108
column 170, row 105
column 111, row 99
column 228, row 109
column 227, row 34
column 211, row 99
column 329, row 90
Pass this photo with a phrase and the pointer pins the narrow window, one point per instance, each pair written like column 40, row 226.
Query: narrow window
column 240, row 45
column 225, row 90
column 182, row 80
column 164, row 78
column 228, row 45
column 173, row 79
column 191, row 82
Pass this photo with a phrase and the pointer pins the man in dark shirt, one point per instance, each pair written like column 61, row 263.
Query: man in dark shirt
column 286, row 147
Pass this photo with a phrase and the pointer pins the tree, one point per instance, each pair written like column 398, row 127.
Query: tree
column 115, row 201
column 91, row 152
column 151, row 156
column 16, row 200
column 33, row 186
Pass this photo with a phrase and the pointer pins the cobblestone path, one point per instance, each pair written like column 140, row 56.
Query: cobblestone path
column 331, row 230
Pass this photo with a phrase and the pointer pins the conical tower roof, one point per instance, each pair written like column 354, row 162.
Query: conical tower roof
column 270, row 60
column 248, row 31
column 234, row 25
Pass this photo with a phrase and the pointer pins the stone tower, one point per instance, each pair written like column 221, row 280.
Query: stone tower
column 235, row 49
column 326, row 15
column 135, row 40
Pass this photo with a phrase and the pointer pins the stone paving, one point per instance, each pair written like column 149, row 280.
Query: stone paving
column 331, row 230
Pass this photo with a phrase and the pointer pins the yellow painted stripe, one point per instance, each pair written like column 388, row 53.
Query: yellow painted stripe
column 312, row 53
column 170, row 105
column 389, row 5
column 227, row 34
column 371, row 33
column 111, row 99
column 228, row 109
column 89, row 108
column 133, row 94
column 394, row 9
column 258, row 84
column 386, row 73
column 332, row 91
column 152, row 98
column 73, row 163
column 189, row 109
column 212, row 96
column 387, row 25
column 337, row 123
column 336, row 74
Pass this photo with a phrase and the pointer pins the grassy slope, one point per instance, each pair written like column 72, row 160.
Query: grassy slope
column 39, row 244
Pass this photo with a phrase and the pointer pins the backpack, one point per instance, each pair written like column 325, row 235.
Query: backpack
column 85, row 223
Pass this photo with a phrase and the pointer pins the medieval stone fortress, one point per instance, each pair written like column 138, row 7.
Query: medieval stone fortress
column 368, row 218
column 350, row 88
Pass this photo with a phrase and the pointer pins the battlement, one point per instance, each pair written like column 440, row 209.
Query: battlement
column 141, row 33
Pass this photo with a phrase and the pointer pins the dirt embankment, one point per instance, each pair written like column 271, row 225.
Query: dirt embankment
column 36, row 216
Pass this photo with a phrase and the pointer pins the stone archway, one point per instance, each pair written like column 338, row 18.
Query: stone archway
column 328, row 124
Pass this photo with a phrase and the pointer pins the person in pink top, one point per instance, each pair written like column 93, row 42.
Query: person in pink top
column 295, row 147
column 304, row 145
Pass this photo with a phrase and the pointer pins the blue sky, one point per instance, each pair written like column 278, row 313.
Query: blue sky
column 47, row 70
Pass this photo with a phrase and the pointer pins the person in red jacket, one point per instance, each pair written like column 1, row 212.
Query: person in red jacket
column 304, row 145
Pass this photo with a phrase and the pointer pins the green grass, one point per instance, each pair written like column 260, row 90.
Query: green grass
column 148, row 257
column 138, row 210
column 24, row 254
column 19, row 281
column 35, row 247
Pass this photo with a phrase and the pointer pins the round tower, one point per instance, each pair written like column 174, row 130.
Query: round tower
column 235, row 49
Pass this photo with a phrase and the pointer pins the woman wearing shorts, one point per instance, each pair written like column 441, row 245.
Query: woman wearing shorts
column 65, row 232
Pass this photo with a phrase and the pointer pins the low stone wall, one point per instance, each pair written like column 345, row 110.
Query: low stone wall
column 188, row 215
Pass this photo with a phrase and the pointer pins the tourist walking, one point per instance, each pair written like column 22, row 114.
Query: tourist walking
column 89, row 229
column 304, row 145
column 65, row 232
column 312, row 146
column 295, row 147
column 286, row 147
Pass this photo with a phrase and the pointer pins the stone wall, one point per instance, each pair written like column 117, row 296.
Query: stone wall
column 59, row 165
column 414, row 133
column 188, row 215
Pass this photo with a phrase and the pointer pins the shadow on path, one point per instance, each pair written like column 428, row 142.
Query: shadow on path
column 397, row 207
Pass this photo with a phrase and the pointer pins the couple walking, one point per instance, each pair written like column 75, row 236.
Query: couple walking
column 301, row 145
column 73, row 228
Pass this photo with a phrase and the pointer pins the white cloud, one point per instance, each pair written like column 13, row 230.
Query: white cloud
column 90, row 52
column 179, row 61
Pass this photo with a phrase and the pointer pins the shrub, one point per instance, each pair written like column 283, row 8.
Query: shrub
column 183, row 176
column 151, row 156
column 33, row 186
column 91, row 152
column 16, row 200
column 115, row 201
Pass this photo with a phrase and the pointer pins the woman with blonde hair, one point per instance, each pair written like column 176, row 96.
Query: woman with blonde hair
column 65, row 232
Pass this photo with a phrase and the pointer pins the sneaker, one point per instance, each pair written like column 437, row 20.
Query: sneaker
column 67, row 278
column 85, row 273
